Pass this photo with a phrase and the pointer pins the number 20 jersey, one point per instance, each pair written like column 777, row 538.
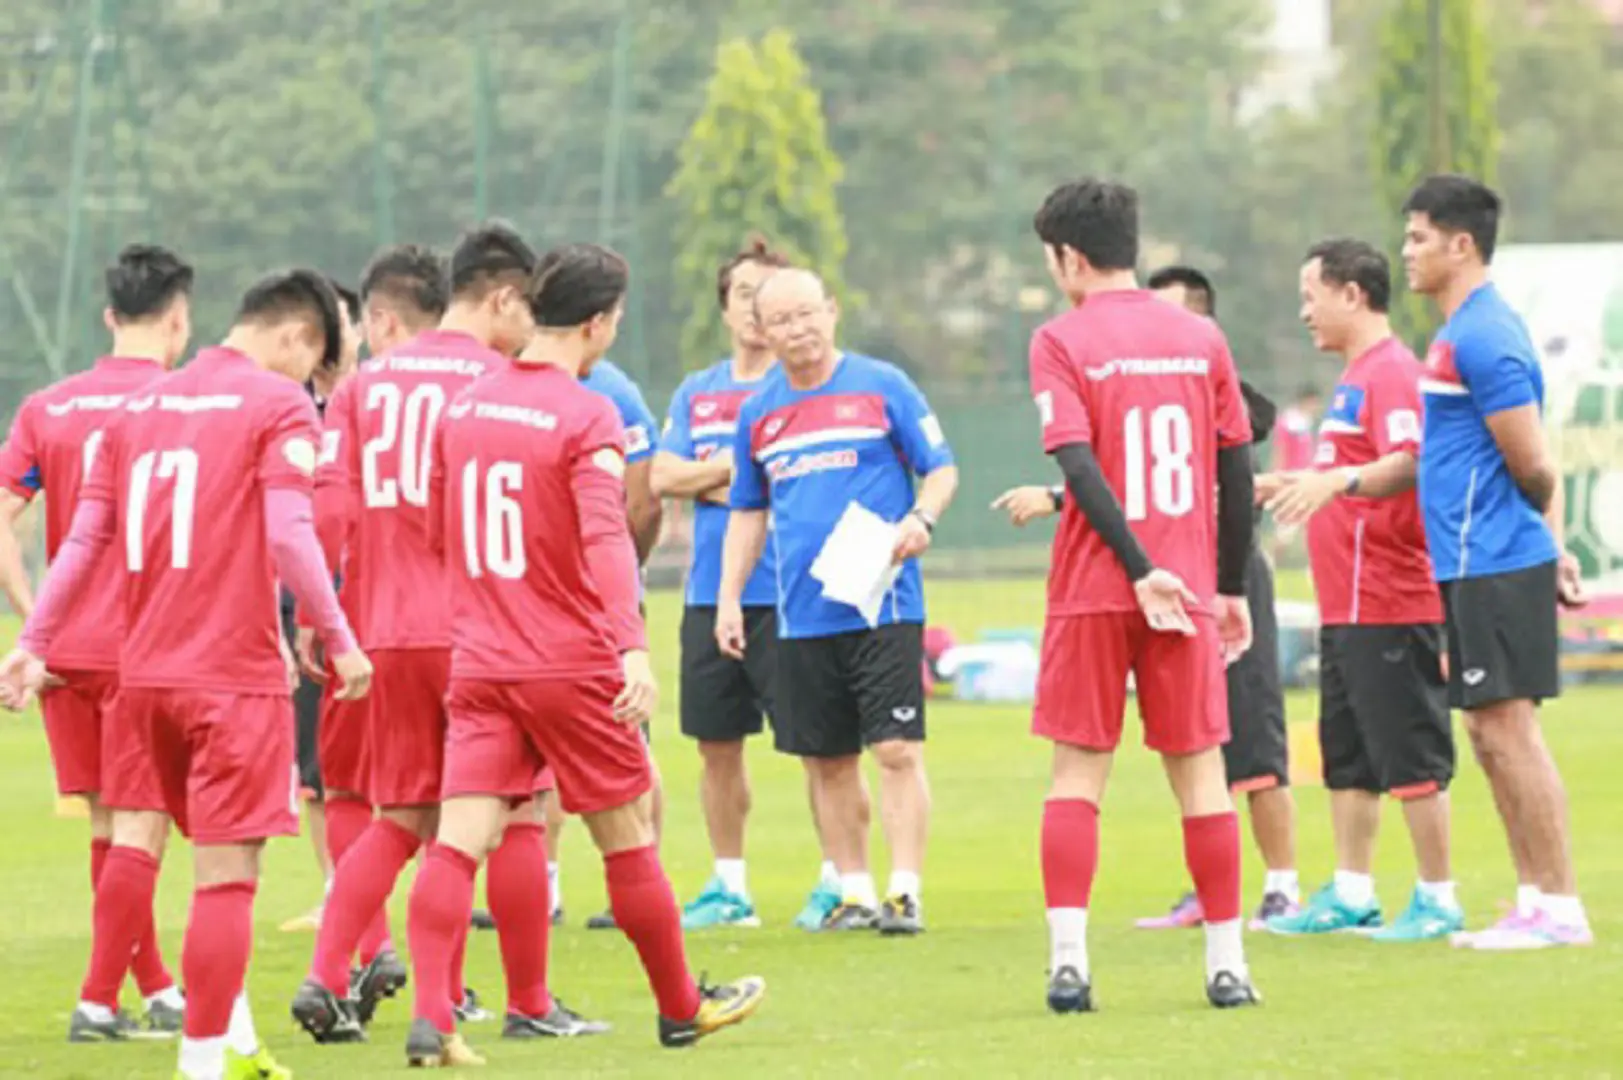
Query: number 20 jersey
column 1153, row 390
column 379, row 438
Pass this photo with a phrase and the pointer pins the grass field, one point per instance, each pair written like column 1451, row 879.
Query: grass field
column 966, row 999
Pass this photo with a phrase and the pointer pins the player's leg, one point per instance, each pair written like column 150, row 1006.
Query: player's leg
column 341, row 738
column 307, row 709
column 827, row 893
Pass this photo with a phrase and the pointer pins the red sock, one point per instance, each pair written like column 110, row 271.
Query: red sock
column 645, row 908
column 124, row 890
column 98, row 858
column 347, row 819
column 219, row 939
column 360, row 888
column 1070, row 852
column 516, row 886
column 441, row 904
column 459, row 988
column 1211, row 849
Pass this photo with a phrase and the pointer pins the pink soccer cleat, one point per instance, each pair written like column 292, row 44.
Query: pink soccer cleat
column 1518, row 933
column 1186, row 913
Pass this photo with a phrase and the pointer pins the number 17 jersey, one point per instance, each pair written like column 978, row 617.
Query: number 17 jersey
column 1153, row 390
column 380, row 430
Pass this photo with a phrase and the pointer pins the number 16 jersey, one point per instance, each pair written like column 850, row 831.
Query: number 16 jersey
column 1153, row 390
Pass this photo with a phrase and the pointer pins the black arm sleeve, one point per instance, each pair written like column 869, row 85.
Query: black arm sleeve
column 1236, row 523
column 1098, row 504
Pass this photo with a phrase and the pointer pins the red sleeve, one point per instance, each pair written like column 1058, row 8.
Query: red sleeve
column 1233, row 419
column 1061, row 407
column 600, row 502
column 1392, row 409
column 94, row 523
column 288, row 454
column 290, row 532
column 337, row 501
column 20, row 455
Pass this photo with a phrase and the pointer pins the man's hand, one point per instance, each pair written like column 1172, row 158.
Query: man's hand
column 912, row 539
column 1306, row 494
column 1569, row 582
column 1025, row 504
column 1162, row 597
column 354, row 673
column 730, row 637
column 1233, row 626
column 636, row 700
column 1268, row 484
column 22, row 676
column 308, row 651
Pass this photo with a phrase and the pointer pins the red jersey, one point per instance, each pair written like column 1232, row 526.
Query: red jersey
column 187, row 466
column 1153, row 390
column 1293, row 440
column 1369, row 558
column 380, row 428
column 530, row 463
column 54, row 440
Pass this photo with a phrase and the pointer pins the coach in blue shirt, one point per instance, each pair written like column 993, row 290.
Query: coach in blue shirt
column 827, row 429
column 1490, row 492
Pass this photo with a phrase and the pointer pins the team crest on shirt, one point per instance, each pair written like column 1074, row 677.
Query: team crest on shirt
column 636, row 439
column 773, row 426
column 845, row 412
column 1442, row 374
column 703, row 409
column 301, row 454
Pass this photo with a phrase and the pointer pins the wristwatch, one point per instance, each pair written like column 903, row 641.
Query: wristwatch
column 1057, row 493
column 926, row 517
column 1350, row 474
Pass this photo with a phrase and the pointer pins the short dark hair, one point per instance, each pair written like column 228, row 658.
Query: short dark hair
column 144, row 281
column 575, row 283
column 412, row 275
column 346, row 296
column 1191, row 279
column 305, row 295
column 1098, row 218
column 1344, row 261
column 1459, row 204
column 755, row 250
column 488, row 252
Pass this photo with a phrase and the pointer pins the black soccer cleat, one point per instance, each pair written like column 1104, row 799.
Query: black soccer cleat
column 558, row 916
column 482, row 920
column 1229, row 991
column 719, row 1007
column 383, row 978
column 84, row 1028
column 561, row 1023
column 602, row 921
column 327, row 1017
column 163, row 1021
column 852, row 917
column 470, row 1010
column 1068, row 992
column 899, row 916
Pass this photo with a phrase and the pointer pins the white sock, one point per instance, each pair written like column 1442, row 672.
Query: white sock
column 202, row 1059
column 170, row 996
column 858, row 888
column 731, row 873
column 828, row 876
column 904, row 883
column 241, row 1036
column 553, row 892
column 96, row 1012
column 1355, row 890
column 1283, row 881
column 1528, row 901
column 1068, row 940
column 1225, row 949
column 1440, row 893
column 1565, row 910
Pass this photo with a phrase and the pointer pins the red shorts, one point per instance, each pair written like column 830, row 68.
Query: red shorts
column 74, row 725
column 406, row 725
column 341, row 744
column 1082, row 683
column 504, row 735
column 223, row 764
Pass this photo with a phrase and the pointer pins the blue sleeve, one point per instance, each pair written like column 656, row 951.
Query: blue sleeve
column 638, row 420
column 677, row 438
column 750, row 490
column 1497, row 370
column 914, row 428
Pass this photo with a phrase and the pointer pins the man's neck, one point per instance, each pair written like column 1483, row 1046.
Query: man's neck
column 750, row 364
column 815, row 375
column 460, row 320
column 1113, row 281
column 139, row 347
column 1365, row 336
column 1459, row 289
column 563, row 359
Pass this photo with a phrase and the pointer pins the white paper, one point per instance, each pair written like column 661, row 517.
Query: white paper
column 854, row 565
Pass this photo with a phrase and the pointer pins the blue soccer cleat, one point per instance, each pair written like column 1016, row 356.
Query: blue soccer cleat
column 716, row 905
column 819, row 906
column 1423, row 920
column 1327, row 913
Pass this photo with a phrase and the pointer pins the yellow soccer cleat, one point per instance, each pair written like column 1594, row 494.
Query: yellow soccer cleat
column 259, row 1066
column 719, row 1007
column 427, row 1048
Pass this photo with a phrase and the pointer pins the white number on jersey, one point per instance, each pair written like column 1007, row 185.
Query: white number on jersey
column 1166, row 481
column 408, row 420
column 92, row 444
column 180, row 468
column 498, row 536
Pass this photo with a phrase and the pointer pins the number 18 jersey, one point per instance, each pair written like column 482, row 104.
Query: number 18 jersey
column 379, row 438
column 1153, row 390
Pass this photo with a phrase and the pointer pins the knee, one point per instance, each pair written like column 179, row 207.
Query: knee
column 895, row 757
column 722, row 759
column 146, row 830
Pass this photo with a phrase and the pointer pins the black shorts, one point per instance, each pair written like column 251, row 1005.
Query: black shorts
column 1383, row 709
column 1504, row 637
column 1257, row 755
column 840, row 693
column 722, row 699
column 306, row 717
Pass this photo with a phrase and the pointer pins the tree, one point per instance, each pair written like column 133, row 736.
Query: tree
column 1413, row 139
column 757, row 159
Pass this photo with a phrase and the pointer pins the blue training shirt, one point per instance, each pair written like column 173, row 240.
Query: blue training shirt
column 607, row 379
column 702, row 423
column 806, row 454
column 1478, row 522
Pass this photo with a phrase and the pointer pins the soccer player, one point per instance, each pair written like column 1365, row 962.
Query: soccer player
column 376, row 507
column 827, row 429
column 1490, row 491
column 723, row 700
column 1141, row 408
column 550, row 664
column 203, row 483
column 1384, row 726
column 54, row 441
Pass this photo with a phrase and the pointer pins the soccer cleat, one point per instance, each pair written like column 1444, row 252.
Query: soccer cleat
column 428, row 1049
column 383, row 978
column 1230, row 991
column 1068, row 992
column 325, row 1016
column 602, row 921
column 1423, row 920
column 900, row 915
column 85, row 1028
column 852, row 916
column 1275, row 905
column 163, row 1021
column 558, row 916
column 819, row 906
column 308, row 923
column 259, row 1066
column 1185, row 913
column 1326, row 913
column 561, row 1023
column 482, row 920
column 719, row 1007
column 1511, row 921
column 470, row 1010
column 716, row 905
column 1516, row 934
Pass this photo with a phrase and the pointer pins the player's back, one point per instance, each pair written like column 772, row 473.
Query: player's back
column 380, row 434
column 524, row 603
column 189, row 463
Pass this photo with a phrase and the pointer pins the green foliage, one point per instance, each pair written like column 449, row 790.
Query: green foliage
column 756, row 159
